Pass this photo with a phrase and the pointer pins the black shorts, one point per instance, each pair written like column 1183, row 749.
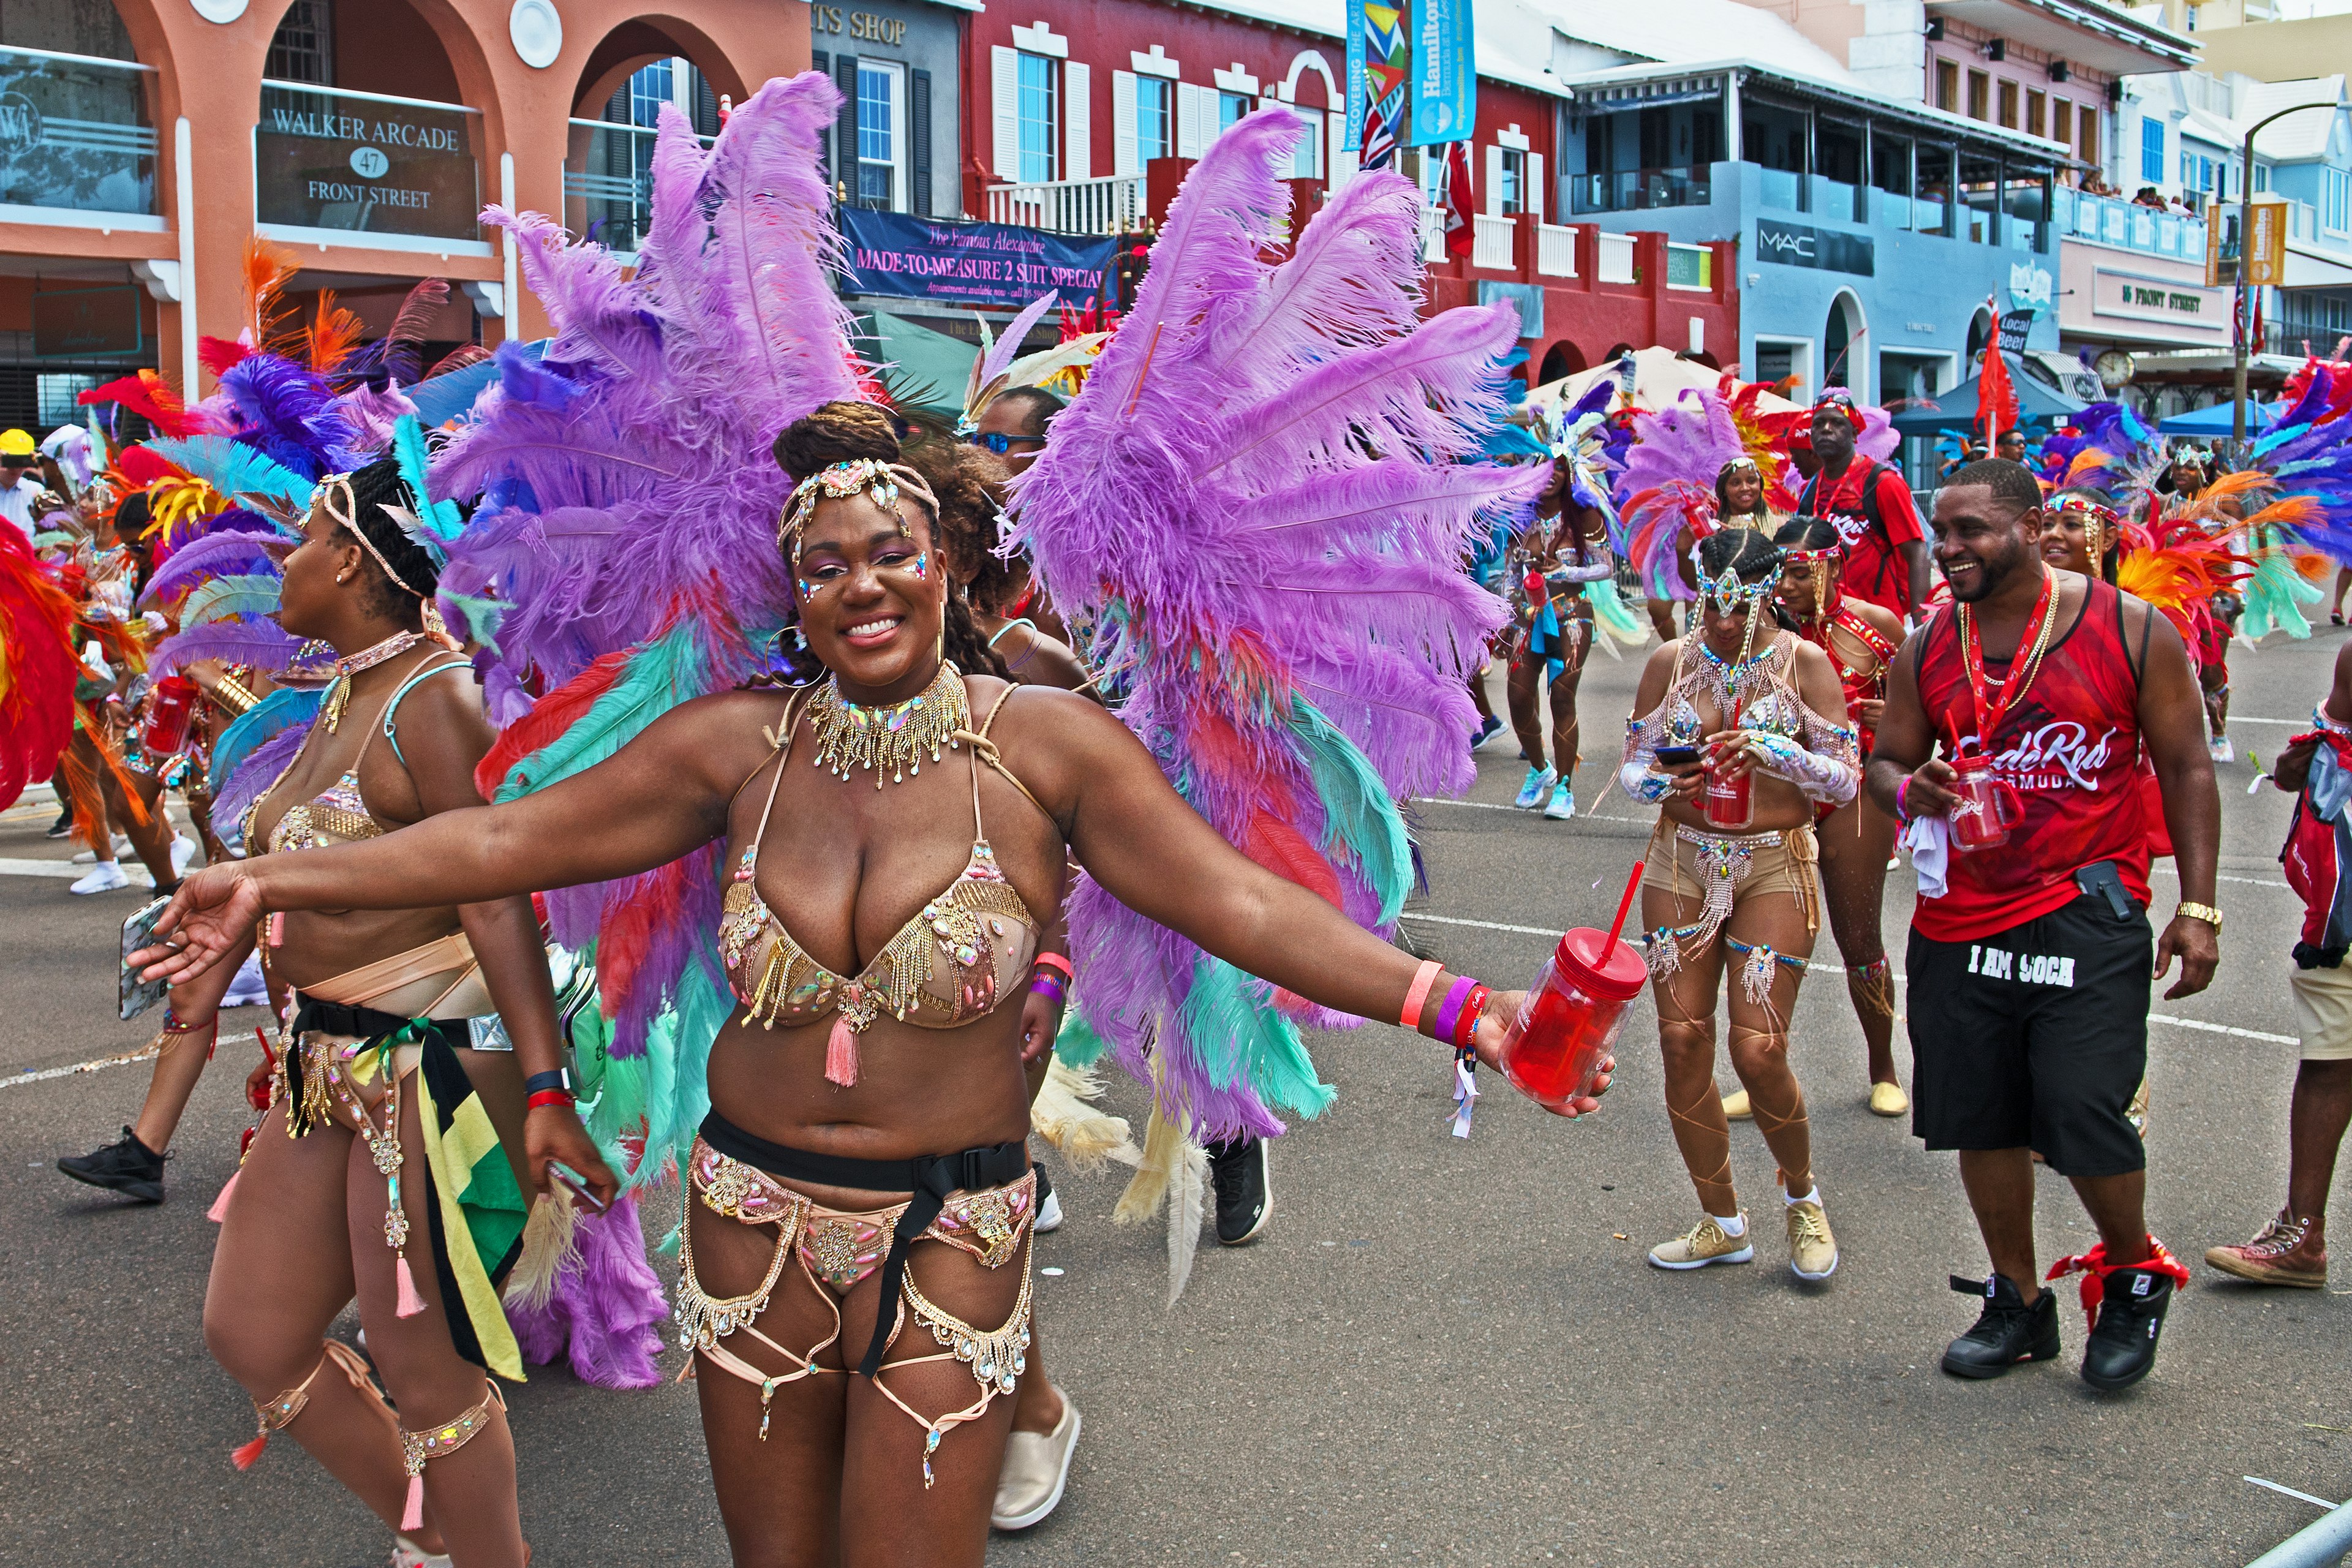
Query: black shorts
column 2035, row 1037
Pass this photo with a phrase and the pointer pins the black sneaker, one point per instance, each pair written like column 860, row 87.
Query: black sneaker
column 63, row 827
column 2007, row 1331
column 129, row 1167
column 2131, row 1316
column 1244, row 1198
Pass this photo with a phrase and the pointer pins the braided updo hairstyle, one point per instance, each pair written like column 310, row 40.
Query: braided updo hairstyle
column 842, row 432
column 373, row 487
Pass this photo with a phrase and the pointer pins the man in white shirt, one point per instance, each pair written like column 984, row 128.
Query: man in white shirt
column 19, row 485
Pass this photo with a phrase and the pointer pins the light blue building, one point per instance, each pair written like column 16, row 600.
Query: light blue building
column 1877, row 239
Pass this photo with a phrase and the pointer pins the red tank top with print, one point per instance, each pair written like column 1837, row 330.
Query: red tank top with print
column 2070, row 745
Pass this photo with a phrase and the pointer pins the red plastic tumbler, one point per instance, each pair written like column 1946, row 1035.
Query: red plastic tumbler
column 169, row 708
column 1570, row 1018
column 1728, row 802
column 1989, row 805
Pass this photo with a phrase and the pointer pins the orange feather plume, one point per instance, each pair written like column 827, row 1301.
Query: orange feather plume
column 268, row 271
column 334, row 333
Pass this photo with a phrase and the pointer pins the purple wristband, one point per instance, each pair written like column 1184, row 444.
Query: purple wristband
column 1049, row 986
column 1449, row 1012
column 1901, row 787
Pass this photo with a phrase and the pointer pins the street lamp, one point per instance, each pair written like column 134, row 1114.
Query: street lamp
column 2245, row 235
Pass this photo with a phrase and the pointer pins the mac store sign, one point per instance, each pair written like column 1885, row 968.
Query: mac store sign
column 342, row 161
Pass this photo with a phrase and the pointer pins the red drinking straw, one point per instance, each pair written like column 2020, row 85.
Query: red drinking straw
column 1624, row 905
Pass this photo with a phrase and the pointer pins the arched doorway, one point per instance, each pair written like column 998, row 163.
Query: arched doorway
column 1559, row 361
column 1979, row 333
column 635, row 71
column 1845, row 359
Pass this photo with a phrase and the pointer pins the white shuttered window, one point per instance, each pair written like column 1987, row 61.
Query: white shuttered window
column 1005, row 104
column 1077, row 121
column 1124, row 162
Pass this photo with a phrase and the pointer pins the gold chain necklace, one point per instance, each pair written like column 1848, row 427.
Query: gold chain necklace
column 890, row 739
column 338, row 696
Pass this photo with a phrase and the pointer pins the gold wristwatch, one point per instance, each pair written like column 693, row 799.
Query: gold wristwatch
column 2206, row 912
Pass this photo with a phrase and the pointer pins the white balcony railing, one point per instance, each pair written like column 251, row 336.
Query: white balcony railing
column 1490, row 243
column 1555, row 250
column 1113, row 204
column 1616, row 264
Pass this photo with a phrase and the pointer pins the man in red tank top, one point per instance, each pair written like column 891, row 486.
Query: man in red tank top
column 2029, row 975
column 1886, row 552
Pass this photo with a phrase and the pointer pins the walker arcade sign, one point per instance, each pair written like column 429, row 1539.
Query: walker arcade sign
column 327, row 161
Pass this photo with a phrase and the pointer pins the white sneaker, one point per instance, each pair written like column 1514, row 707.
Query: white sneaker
column 2219, row 748
column 248, row 989
column 1563, row 805
column 407, row 1553
column 1049, row 1214
column 104, row 877
column 89, row 857
column 183, row 849
column 1036, row 1468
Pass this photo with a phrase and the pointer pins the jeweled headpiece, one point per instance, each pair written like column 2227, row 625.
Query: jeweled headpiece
column 860, row 476
column 1725, row 591
column 2102, row 525
column 334, row 497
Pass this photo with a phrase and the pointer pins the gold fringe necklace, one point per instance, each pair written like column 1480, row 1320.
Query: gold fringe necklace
column 890, row 739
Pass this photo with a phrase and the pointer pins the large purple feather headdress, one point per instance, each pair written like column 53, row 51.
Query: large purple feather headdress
column 1259, row 506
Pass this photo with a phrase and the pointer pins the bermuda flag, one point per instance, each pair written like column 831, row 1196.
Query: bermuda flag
column 1453, row 198
column 1380, row 131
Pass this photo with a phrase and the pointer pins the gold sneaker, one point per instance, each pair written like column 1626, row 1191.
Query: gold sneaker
column 1036, row 1466
column 1812, row 1250
column 1736, row 1107
column 1703, row 1243
column 1888, row 1100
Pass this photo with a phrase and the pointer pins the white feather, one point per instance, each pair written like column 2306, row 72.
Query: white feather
column 1188, row 1208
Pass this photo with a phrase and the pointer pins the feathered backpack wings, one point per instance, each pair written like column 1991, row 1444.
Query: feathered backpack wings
column 1257, row 506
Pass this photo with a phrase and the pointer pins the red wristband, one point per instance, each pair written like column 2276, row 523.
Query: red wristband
column 550, row 1096
column 1423, row 979
column 1054, row 961
column 1466, row 1028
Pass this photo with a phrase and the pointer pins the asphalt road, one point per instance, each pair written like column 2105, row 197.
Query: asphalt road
column 1444, row 1352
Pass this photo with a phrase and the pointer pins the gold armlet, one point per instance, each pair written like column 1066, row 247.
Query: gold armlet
column 231, row 693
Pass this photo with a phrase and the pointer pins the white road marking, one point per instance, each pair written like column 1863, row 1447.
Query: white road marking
column 66, row 869
column 144, row 1054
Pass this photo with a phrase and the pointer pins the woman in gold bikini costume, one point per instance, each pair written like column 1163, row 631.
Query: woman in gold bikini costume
column 397, row 1163
column 895, row 835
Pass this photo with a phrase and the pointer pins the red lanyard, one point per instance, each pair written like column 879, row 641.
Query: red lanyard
column 2022, row 665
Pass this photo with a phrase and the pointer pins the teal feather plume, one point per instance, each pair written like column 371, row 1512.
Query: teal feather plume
column 234, row 468
column 1360, row 822
column 227, row 598
column 661, row 674
column 1231, row 1020
column 440, row 520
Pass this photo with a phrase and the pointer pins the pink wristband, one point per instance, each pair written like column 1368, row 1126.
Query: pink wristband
column 1423, row 979
column 1449, row 1014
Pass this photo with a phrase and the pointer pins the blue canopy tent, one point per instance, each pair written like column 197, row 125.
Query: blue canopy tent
column 2037, row 405
column 2219, row 422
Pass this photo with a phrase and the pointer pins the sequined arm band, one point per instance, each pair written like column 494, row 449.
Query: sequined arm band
column 1824, row 778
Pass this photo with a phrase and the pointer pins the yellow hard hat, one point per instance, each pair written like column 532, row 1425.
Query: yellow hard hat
column 16, row 444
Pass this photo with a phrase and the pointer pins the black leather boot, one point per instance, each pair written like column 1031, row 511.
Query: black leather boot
column 2006, row 1332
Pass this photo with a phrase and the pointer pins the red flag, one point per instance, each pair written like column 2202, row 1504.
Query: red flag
column 1996, row 396
column 1453, row 196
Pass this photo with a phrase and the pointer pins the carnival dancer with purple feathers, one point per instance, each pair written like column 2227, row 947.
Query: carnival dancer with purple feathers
column 855, row 1276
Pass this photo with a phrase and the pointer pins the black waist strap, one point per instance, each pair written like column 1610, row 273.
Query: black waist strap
column 335, row 1018
column 929, row 1177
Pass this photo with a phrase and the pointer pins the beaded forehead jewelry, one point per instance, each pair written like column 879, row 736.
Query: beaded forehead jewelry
column 884, row 483
column 2100, row 524
column 335, row 487
column 1726, row 592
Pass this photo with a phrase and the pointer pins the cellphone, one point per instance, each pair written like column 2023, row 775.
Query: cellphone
column 1677, row 756
column 564, row 1178
column 134, row 995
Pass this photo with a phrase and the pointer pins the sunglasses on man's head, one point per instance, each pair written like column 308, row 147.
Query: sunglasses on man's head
column 996, row 441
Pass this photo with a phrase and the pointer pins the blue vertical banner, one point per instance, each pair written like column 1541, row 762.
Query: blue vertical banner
column 1445, row 73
